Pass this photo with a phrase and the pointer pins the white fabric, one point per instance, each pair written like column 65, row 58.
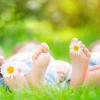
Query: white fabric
column 50, row 75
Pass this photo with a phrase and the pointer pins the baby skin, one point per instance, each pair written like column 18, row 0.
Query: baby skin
column 81, row 73
column 35, row 77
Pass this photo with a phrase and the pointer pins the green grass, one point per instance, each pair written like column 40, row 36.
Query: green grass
column 58, row 41
column 15, row 32
column 51, row 93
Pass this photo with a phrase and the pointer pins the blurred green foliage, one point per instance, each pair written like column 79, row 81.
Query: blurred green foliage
column 53, row 21
column 61, row 13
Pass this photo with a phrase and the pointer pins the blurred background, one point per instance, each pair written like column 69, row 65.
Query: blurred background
column 53, row 21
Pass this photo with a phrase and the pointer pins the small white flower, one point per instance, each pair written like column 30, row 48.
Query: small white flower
column 12, row 68
column 8, row 70
column 76, row 48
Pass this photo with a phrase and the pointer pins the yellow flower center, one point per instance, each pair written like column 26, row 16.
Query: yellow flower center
column 76, row 48
column 10, row 69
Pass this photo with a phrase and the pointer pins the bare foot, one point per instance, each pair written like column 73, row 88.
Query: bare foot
column 63, row 71
column 17, row 82
column 41, row 58
column 80, row 63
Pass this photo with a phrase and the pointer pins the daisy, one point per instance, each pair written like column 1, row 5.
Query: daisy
column 8, row 70
column 76, row 48
column 12, row 68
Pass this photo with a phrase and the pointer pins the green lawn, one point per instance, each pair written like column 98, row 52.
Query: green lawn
column 51, row 93
column 58, row 41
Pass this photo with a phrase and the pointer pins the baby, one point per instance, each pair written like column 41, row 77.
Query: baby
column 90, row 74
column 26, row 55
column 81, row 73
column 33, row 73
column 53, row 70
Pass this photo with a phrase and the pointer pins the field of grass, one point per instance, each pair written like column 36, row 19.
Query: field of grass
column 51, row 93
column 58, row 41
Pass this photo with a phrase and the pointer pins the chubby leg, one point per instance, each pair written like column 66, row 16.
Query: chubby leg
column 41, row 58
column 79, row 63
column 93, row 75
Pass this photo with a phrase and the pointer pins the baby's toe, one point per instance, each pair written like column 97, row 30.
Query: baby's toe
column 34, row 56
column 37, row 53
column 86, row 52
column 45, row 47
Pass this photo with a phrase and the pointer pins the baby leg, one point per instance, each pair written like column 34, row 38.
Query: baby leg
column 93, row 76
column 79, row 64
column 41, row 58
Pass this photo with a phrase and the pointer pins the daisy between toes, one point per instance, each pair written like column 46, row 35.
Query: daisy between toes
column 76, row 48
column 10, row 69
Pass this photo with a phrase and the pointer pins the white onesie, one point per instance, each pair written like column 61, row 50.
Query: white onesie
column 25, row 62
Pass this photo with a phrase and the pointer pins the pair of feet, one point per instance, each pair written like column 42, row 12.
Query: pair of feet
column 80, row 58
column 41, row 59
column 80, row 63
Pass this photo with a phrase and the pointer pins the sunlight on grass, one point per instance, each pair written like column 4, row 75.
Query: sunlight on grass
column 51, row 93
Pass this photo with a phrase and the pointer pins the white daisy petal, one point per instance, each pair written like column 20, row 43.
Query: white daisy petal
column 15, row 67
column 76, row 48
column 8, row 70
